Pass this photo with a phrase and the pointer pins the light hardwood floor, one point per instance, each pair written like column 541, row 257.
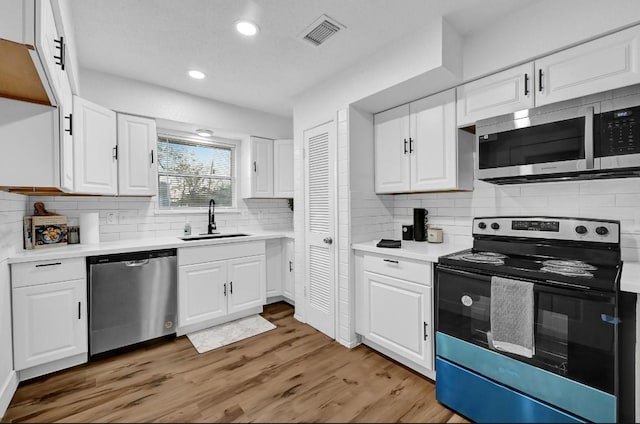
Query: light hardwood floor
column 293, row 373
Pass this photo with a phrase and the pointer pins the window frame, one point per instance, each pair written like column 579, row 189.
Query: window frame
column 220, row 142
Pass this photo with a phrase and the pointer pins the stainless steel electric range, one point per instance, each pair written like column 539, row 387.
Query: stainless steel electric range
column 531, row 324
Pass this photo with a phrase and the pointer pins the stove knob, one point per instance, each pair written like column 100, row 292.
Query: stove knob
column 602, row 231
column 495, row 226
column 581, row 229
column 482, row 225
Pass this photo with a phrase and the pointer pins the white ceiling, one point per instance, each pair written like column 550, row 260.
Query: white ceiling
column 158, row 41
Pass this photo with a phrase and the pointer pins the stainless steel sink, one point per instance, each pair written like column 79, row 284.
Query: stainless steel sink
column 211, row 236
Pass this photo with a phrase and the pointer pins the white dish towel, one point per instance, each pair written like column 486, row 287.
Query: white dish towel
column 512, row 316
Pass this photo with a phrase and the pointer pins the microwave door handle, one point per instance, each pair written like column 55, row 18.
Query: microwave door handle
column 588, row 138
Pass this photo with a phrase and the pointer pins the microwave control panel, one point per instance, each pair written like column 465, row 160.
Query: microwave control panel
column 620, row 134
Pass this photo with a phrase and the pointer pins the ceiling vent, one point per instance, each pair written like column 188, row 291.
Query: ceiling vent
column 321, row 30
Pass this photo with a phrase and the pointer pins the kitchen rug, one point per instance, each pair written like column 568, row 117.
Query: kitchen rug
column 230, row 332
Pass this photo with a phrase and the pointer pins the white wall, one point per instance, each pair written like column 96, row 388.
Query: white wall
column 12, row 210
column 141, row 98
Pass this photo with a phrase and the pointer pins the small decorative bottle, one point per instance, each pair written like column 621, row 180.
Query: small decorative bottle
column 187, row 228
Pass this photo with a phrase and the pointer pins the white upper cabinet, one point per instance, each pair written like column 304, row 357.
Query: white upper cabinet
column 392, row 150
column 65, row 109
column 262, row 167
column 95, row 148
column 434, row 162
column 283, row 168
column 495, row 95
column 417, row 148
column 137, row 156
column 268, row 168
column 604, row 64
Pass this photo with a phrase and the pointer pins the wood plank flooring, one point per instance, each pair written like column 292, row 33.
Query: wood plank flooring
column 291, row 374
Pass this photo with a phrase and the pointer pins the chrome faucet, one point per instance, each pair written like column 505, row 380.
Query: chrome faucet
column 212, row 218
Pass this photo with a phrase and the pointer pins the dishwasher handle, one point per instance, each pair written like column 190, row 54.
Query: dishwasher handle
column 141, row 262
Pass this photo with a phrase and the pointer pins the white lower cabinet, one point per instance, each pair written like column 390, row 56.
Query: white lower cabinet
column 288, row 286
column 246, row 283
column 394, row 308
column 220, row 283
column 280, row 279
column 49, row 303
column 202, row 295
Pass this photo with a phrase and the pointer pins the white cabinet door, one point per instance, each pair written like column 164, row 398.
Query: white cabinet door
column 262, row 167
column 606, row 63
column 288, row 273
column 247, row 286
column 283, row 168
column 274, row 258
column 202, row 292
column 392, row 156
column 94, row 148
column 50, row 46
column 137, row 158
column 320, row 143
column 498, row 94
column 66, row 136
column 49, row 322
column 398, row 315
column 434, row 156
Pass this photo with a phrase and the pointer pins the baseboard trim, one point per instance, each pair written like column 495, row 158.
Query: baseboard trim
column 7, row 391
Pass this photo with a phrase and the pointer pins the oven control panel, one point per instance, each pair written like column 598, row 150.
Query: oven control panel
column 574, row 229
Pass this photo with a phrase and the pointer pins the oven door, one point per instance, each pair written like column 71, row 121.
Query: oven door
column 546, row 143
column 575, row 330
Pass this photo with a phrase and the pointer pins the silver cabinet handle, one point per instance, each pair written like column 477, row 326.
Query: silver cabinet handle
column 327, row 240
column 425, row 331
column 225, row 289
column 393, row 261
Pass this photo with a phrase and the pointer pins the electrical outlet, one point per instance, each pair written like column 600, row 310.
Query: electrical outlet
column 112, row 218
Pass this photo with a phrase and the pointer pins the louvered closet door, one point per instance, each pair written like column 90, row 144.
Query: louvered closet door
column 320, row 143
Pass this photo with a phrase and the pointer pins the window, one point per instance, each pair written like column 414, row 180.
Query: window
column 190, row 173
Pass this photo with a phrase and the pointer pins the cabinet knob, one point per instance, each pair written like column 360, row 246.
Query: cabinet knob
column 327, row 240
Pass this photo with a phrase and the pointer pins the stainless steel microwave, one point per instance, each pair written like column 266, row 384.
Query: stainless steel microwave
column 589, row 138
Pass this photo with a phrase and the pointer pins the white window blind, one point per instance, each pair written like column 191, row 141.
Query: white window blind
column 191, row 173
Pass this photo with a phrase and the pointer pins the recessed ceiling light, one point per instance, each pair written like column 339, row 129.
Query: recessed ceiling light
column 196, row 74
column 247, row 28
column 204, row 133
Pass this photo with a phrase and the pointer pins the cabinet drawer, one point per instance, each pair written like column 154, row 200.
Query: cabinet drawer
column 219, row 252
column 53, row 270
column 393, row 266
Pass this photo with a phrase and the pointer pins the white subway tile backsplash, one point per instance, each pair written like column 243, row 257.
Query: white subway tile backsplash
column 137, row 217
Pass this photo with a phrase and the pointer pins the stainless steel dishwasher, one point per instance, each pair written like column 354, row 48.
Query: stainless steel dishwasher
column 132, row 298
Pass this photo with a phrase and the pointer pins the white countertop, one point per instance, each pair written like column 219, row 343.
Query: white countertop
column 418, row 250
column 630, row 278
column 122, row 246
